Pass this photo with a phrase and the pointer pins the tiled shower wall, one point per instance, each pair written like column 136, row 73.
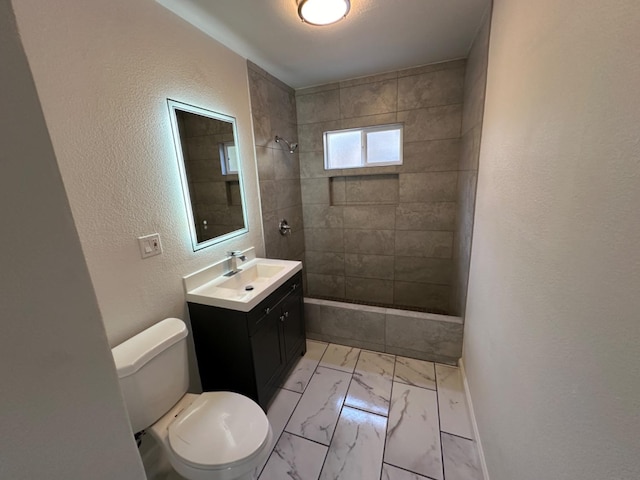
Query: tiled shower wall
column 273, row 106
column 474, row 91
column 384, row 235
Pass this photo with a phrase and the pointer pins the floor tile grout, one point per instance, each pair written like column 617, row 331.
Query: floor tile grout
column 436, row 390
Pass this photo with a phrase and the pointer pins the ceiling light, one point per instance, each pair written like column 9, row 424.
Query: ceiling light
column 323, row 12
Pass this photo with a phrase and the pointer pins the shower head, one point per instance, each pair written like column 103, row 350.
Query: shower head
column 291, row 145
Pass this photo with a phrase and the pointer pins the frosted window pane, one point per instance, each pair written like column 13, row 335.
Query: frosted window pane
column 344, row 149
column 383, row 147
column 232, row 159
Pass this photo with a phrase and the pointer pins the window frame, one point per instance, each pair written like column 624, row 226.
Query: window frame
column 364, row 147
column 223, row 148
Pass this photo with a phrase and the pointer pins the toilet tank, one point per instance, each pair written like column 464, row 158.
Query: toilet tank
column 153, row 371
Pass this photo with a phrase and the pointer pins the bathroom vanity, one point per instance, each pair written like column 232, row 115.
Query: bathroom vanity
column 249, row 348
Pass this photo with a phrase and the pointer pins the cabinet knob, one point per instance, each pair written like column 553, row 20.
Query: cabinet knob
column 267, row 310
column 294, row 286
column 282, row 318
column 286, row 314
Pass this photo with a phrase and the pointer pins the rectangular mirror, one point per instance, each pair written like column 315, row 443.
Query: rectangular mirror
column 211, row 172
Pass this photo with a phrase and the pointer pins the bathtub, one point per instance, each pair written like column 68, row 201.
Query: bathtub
column 426, row 336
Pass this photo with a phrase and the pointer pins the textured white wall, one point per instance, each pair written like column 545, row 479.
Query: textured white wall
column 552, row 331
column 61, row 413
column 103, row 71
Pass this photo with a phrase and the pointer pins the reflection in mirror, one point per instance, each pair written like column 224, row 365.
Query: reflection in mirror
column 211, row 173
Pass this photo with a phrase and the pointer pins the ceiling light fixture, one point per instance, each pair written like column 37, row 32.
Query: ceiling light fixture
column 323, row 12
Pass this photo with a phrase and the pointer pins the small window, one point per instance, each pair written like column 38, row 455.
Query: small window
column 363, row 147
column 228, row 158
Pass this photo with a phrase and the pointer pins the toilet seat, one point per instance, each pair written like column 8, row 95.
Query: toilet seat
column 218, row 431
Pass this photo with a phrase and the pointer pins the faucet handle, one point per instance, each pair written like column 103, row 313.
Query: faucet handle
column 234, row 253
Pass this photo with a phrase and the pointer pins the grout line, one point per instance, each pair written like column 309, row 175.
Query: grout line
column 339, row 414
column 284, row 428
column 455, row 435
column 410, row 471
column 393, row 376
column 439, row 423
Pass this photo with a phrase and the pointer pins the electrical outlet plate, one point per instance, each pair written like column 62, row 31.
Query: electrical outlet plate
column 150, row 245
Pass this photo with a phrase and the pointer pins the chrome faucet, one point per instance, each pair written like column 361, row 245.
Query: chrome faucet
column 233, row 268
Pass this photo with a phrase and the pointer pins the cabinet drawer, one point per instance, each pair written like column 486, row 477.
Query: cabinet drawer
column 259, row 313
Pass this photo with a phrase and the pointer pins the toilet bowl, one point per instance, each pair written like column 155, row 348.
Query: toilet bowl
column 208, row 436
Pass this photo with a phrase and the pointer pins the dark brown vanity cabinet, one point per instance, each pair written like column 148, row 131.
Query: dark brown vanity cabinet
column 250, row 352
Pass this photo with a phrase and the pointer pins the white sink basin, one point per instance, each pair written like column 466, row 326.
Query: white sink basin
column 256, row 280
column 251, row 277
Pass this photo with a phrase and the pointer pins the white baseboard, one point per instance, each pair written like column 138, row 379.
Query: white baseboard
column 474, row 424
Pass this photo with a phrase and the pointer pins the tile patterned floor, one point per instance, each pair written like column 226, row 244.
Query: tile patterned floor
column 350, row 414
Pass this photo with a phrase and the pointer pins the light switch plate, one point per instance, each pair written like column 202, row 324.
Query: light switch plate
column 150, row 245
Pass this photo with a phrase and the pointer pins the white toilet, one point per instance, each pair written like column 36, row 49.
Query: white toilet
column 211, row 436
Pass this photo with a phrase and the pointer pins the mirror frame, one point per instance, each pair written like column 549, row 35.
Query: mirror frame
column 177, row 140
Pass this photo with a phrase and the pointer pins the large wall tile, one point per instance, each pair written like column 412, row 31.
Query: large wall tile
column 429, row 336
column 325, row 239
column 318, row 107
column 369, row 266
column 286, row 165
column 357, row 322
column 312, row 165
column 310, row 137
column 428, row 187
column 426, row 216
column 423, row 270
column 323, row 216
column 369, row 99
column 381, row 217
column 473, row 107
column 470, row 148
column 431, row 156
column 373, row 189
column 288, row 193
column 369, row 290
column 434, row 123
column 315, row 190
column 264, row 158
column 327, row 263
column 325, row 285
column 442, row 87
column 369, row 120
column 376, row 242
column 260, row 108
column 433, row 298
column 424, row 244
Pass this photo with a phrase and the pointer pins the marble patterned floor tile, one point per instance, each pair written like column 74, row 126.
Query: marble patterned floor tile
column 454, row 414
column 317, row 413
column 357, row 446
column 280, row 409
column 340, row 357
column 389, row 472
column 294, row 458
column 299, row 377
column 413, row 432
column 415, row 372
column 461, row 461
column 370, row 387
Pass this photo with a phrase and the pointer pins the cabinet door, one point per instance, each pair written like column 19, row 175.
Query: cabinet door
column 265, row 345
column 292, row 323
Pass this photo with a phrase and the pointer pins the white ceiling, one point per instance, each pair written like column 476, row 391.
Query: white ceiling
column 377, row 36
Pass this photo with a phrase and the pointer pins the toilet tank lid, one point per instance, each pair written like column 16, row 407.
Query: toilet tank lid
column 131, row 355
